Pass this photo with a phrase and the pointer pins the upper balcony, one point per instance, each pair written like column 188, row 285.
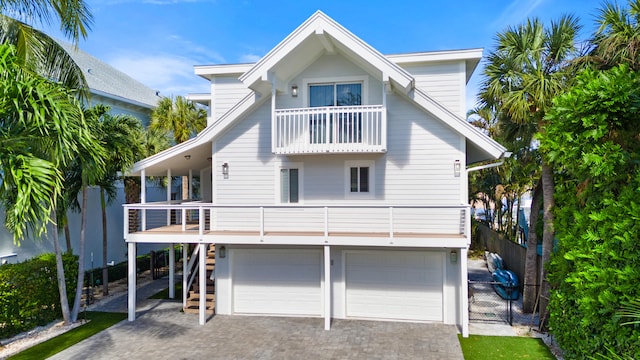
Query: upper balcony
column 331, row 129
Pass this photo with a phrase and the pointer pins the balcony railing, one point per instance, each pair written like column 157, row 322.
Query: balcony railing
column 333, row 129
column 201, row 219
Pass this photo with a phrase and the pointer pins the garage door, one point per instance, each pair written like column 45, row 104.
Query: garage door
column 277, row 281
column 404, row 285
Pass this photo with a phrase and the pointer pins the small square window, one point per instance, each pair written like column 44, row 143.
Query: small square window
column 359, row 179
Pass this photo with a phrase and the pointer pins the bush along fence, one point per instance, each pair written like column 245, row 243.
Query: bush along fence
column 29, row 294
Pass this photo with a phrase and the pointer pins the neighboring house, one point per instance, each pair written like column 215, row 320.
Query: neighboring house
column 333, row 181
column 125, row 96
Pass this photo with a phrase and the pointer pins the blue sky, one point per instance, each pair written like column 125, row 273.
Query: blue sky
column 159, row 41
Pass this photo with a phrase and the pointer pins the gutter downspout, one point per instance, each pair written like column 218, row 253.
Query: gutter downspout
column 500, row 161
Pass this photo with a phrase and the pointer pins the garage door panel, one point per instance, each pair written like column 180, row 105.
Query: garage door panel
column 394, row 285
column 277, row 281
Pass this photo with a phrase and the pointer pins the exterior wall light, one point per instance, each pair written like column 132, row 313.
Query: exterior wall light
column 453, row 256
column 187, row 157
column 225, row 170
column 294, row 90
column 456, row 168
column 223, row 252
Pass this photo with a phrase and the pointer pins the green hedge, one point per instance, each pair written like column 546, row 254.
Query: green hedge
column 29, row 294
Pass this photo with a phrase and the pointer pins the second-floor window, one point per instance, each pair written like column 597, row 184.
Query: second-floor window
column 289, row 185
column 344, row 127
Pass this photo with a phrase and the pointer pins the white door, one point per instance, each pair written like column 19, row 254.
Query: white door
column 277, row 281
column 403, row 285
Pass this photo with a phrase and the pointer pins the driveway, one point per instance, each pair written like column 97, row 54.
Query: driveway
column 161, row 331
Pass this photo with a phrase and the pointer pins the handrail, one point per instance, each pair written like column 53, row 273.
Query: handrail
column 163, row 205
column 396, row 220
column 192, row 274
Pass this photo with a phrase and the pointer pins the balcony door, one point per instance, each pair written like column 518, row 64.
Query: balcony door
column 345, row 127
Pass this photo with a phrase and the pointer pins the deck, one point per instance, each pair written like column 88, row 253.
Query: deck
column 435, row 226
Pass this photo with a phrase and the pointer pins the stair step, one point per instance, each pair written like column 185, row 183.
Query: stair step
column 194, row 295
column 210, row 288
column 196, row 310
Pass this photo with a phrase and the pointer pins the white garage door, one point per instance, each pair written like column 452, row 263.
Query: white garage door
column 405, row 285
column 277, row 281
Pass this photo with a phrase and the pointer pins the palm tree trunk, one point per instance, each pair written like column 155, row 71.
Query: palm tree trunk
column 80, row 285
column 105, row 271
column 67, row 236
column 547, row 235
column 531, row 260
column 62, row 285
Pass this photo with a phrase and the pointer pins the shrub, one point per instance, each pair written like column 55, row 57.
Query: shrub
column 29, row 294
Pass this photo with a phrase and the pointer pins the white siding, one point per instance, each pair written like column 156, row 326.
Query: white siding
column 444, row 81
column 225, row 93
column 417, row 170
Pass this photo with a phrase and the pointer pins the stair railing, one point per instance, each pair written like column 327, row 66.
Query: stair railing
column 192, row 274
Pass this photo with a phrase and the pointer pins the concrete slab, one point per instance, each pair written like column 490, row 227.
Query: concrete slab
column 161, row 331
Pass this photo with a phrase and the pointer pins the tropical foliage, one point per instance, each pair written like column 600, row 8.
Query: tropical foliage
column 593, row 140
column 524, row 72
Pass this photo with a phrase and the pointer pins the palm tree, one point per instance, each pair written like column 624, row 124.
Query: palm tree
column 36, row 48
column 42, row 127
column 182, row 119
column 121, row 136
column 86, row 169
column 617, row 39
column 524, row 72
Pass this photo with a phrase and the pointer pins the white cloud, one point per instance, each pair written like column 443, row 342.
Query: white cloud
column 250, row 58
column 515, row 13
column 170, row 74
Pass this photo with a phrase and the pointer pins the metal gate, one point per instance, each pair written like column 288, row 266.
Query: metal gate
column 486, row 305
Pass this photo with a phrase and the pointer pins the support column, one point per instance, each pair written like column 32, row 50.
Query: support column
column 327, row 287
column 464, row 293
column 185, row 273
column 203, row 283
column 169, row 196
column 132, row 269
column 190, row 192
column 143, row 197
column 172, row 271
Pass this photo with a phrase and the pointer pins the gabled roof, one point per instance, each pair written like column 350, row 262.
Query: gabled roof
column 325, row 35
column 333, row 37
column 104, row 80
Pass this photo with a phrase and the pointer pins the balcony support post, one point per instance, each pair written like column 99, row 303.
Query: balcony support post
column 143, row 198
column 168, row 196
column 391, row 224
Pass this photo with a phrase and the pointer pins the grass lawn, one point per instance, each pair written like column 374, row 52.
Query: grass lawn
column 164, row 294
column 99, row 321
column 478, row 347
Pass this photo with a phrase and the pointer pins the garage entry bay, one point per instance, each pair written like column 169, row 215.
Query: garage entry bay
column 376, row 284
column 403, row 285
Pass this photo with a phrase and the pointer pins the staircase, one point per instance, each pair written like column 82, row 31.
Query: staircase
column 193, row 296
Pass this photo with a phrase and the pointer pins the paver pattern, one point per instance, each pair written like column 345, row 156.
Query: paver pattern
column 161, row 331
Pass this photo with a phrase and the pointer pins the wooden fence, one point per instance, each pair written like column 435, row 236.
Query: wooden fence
column 513, row 254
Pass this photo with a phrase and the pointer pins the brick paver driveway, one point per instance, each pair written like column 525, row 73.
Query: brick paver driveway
column 161, row 331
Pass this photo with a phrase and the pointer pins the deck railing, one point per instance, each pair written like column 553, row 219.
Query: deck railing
column 202, row 218
column 331, row 129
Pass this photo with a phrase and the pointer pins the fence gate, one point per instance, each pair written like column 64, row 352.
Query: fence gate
column 485, row 305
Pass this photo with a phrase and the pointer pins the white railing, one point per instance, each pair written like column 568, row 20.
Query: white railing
column 332, row 129
column 316, row 220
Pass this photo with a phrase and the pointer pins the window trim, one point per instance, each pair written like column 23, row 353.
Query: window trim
column 278, row 185
column 306, row 82
column 347, row 179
